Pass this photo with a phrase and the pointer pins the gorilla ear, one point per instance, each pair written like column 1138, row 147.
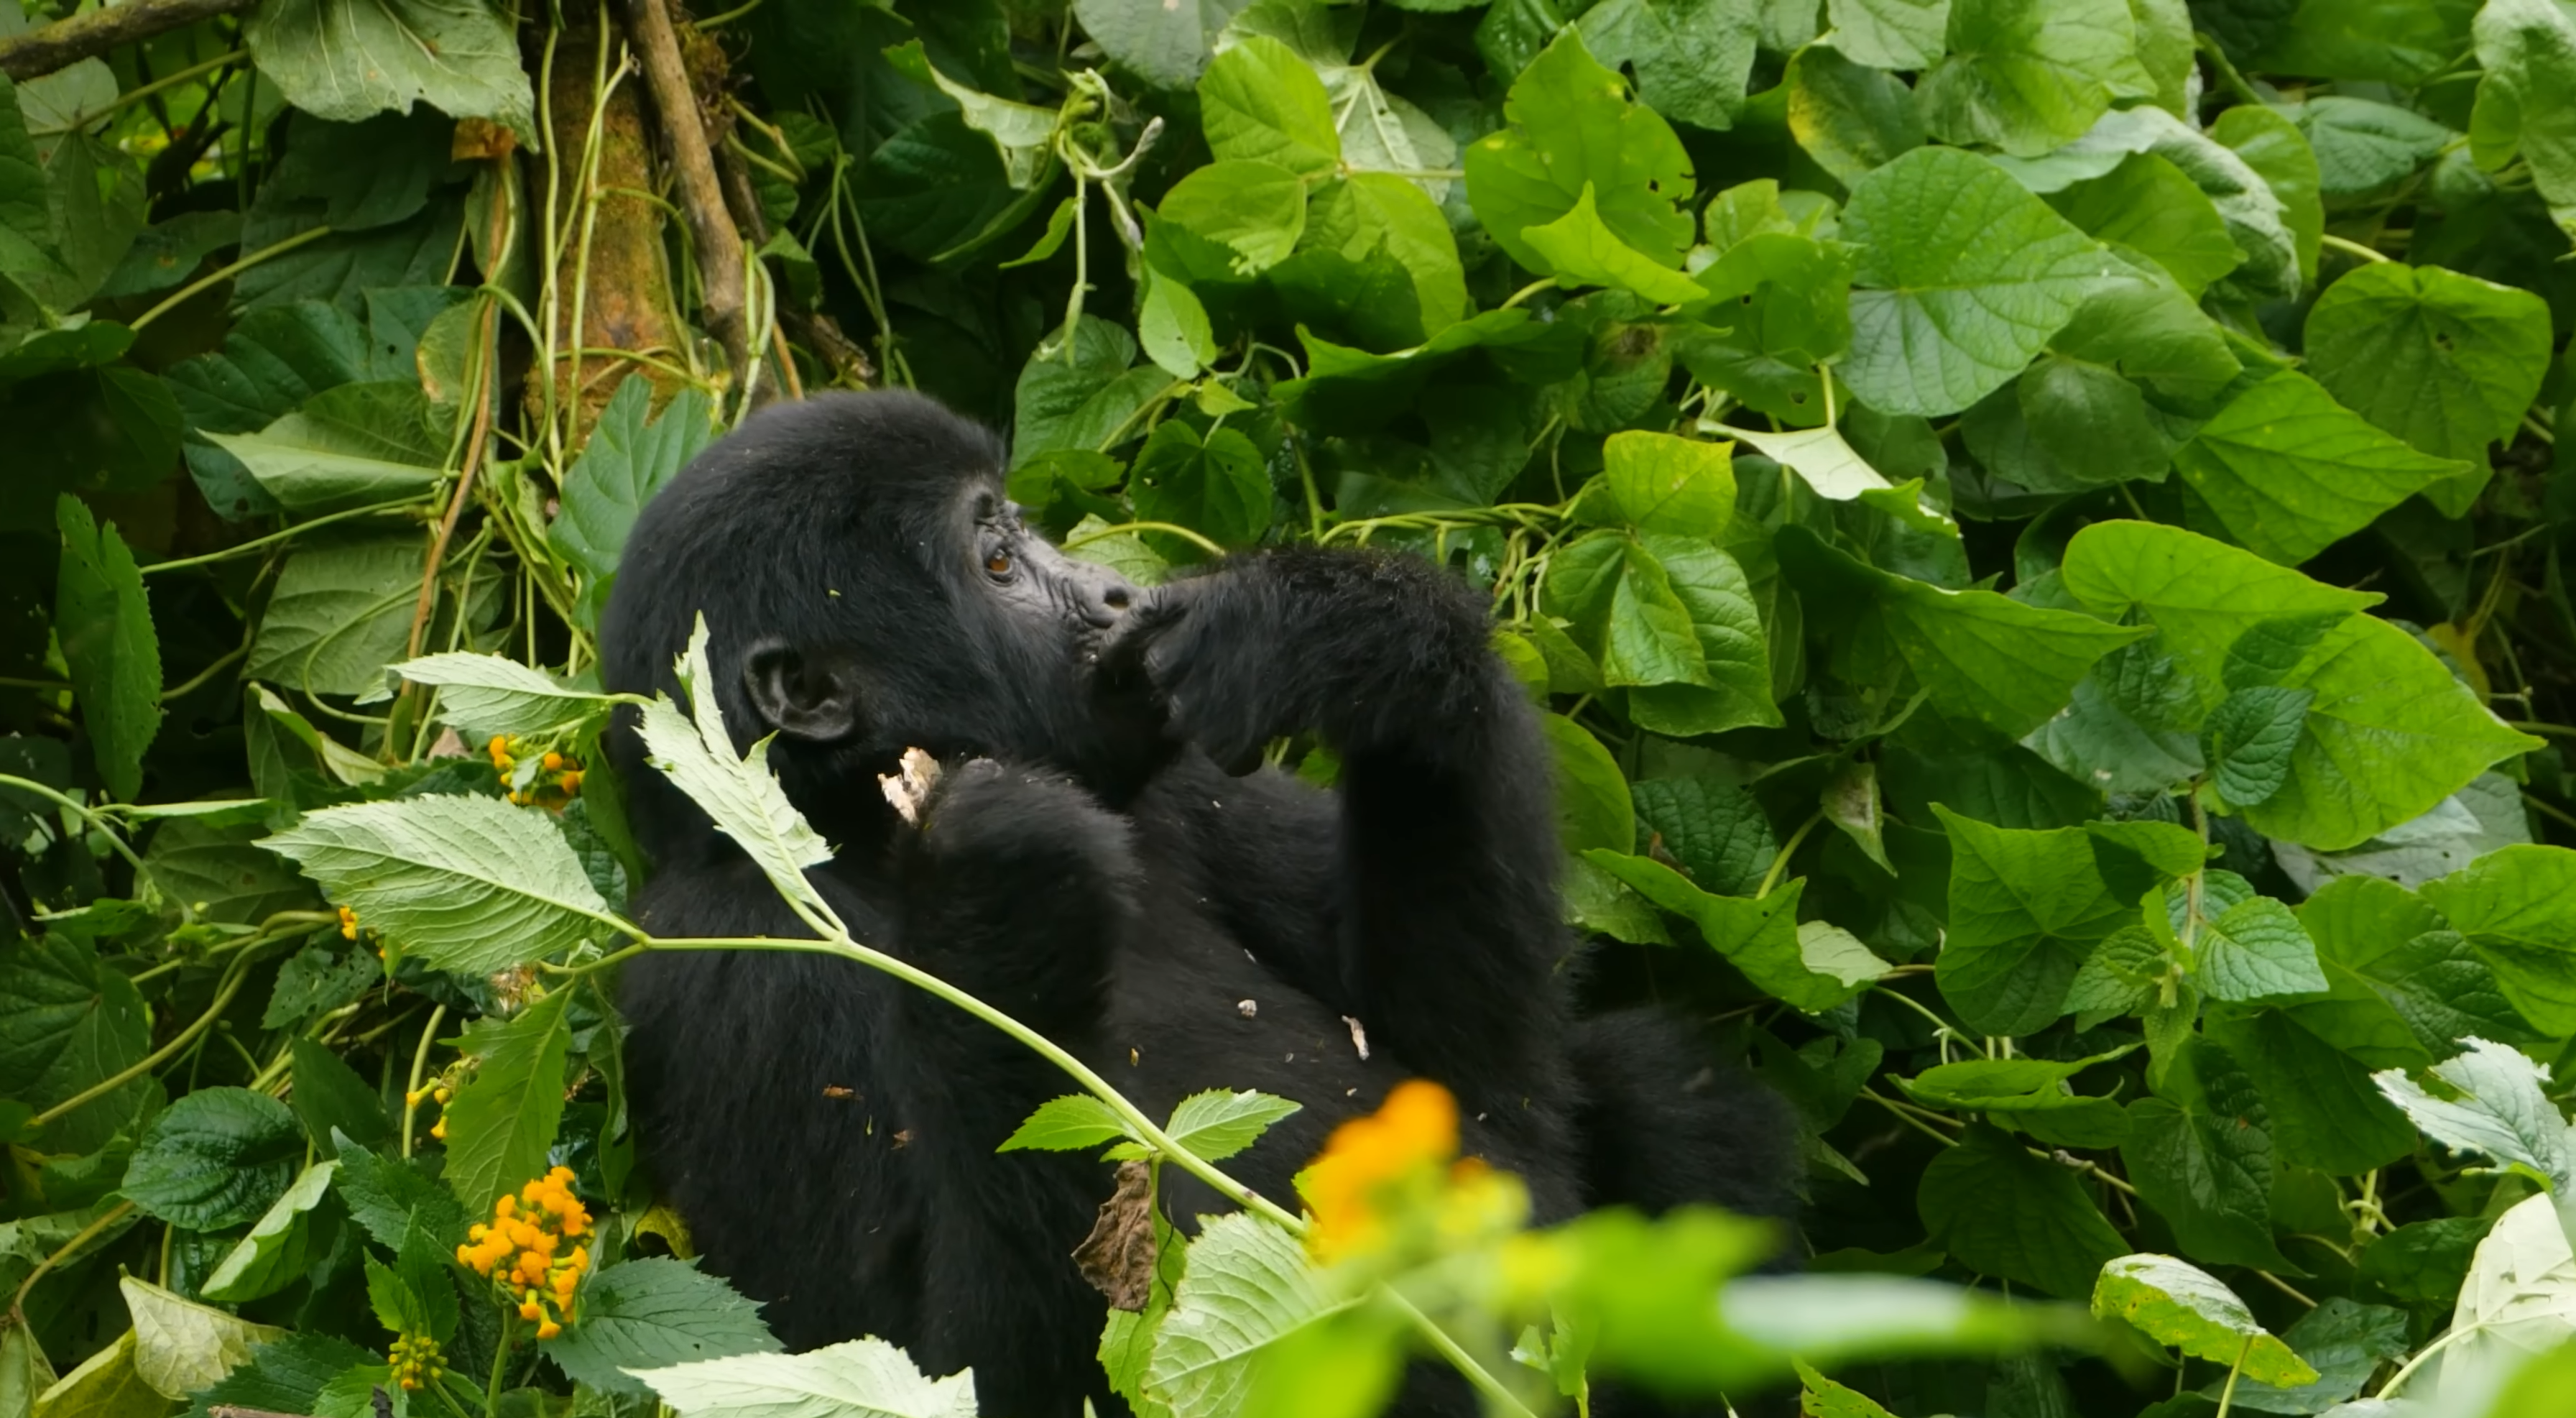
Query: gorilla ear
column 802, row 696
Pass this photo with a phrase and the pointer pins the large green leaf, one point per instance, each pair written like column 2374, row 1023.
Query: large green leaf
column 2405, row 985
column 486, row 696
column 1218, row 485
column 2181, row 1305
column 2028, row 75
column 1247, row 1290
column 2025, row 909
column 1727, row 622
column 1259, row 102
column 353, row 444
column 2445, row 361
column 2518, row 909
column 2287, row 471
column 2323, row 1110
column 862, row 1378
column 1760, row 935
column 2000, row 1211
column 1377, row 211
column 214, row 1158
column 625, row 462
column 103, row 622
column 1963, row 276
column 1081, row 397
column 2527, row 99
column 1984, row 658
column 1890, row 34
column 2200, row 1153
column 273, row 1255
column 2498, row 1107
column 650, row 1314
column 1166, row 45
column 2201, row 595
column 464, row 882
column 1572, row 128
column 347, row 59
column 68, row 1023
column 2363, row 145
column 736, row 790
column 1693, row 58
column 503, row 1118
column 2152, row 207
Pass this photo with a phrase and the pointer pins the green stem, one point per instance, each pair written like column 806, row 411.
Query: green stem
column 1498, row 1398
column 419, row 1063
column 500, row 1362
column 2529, row 726
column 1100, row 533
column 106, row 829
column 273, row 928
column 2353, row 248
column 231, row 986
column 299, row 529
column 2389, row 1389
column 138, row 94
column 2227, row 1396
column 221, row 664
column 84, row 1236
column 2228, row 78
column 1527, row 291
column 1780, row 863
column 191, row 290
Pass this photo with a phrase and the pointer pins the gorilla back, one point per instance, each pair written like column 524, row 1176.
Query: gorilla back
column 1087, row 865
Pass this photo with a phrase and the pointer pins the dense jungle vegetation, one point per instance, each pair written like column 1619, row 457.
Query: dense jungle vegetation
column 2037, row 524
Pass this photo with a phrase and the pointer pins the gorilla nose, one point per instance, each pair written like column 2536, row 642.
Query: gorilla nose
column 1102, row 596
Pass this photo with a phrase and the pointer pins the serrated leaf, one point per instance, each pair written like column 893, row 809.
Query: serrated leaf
column 738, row 791
column 1259, row 102
column 650, row 1314
column 1078, row 398
column 486, row 696
column 2180, row 1305
column 503, row 1118
column 214, row 1158
column 2256, row 949
column 2503, row 1110
column 863, row 1378
column 1715, row 830
column 1963, row 276
column 1217, row 1124
column 2248, row 738
column 1247, row 1289
column 2515, row 906
column 1217, row 485
column 68, row 1022
column 339, row 615
column 1071, row 1123
column 346, row 60
column 624, row 463
column 2200, row 1153
column 466, row 883
column 181, row 1347
column 347, row 446
column 2024, row 910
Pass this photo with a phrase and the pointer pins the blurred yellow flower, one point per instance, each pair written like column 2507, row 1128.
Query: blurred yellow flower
column 1353, row 1188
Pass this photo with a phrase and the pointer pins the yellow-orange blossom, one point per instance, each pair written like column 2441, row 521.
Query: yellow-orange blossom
column 524, row 1249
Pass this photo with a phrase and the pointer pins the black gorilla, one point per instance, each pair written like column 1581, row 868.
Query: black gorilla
column 1088, row 866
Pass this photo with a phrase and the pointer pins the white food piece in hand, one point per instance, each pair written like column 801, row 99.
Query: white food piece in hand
column 909, row 787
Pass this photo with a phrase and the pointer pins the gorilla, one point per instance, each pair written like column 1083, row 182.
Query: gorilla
column 1105, row 859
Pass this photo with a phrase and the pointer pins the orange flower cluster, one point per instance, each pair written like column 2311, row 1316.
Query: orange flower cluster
column 557, row 775
column 524, row 1249
column 348, row 924
column 416, row 1360
column 1406, row 1140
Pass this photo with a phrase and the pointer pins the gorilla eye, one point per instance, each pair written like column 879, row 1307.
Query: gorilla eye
column 998, row 563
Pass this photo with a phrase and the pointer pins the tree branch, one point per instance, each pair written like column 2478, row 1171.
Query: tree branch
column 67, row 42
column 719, row 245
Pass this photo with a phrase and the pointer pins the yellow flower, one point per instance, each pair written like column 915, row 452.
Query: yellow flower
column 1407, row 1138
column 416, row 1360
column 523, row 1249
column 499, row 748
column 348, row 924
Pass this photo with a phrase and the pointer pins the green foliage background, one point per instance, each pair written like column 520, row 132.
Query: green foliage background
column 2037, row 523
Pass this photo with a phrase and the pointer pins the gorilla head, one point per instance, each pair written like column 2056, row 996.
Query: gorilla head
column 860, row 566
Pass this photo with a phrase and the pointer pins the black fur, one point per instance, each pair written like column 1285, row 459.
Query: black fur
column 1087, row 866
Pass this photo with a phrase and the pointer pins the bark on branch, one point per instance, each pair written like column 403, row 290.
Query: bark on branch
column 67, row 42
column 719, row 246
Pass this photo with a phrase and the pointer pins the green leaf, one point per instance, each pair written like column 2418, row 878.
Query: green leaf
column 2248, row 738
column 2363, row 145
column 349, row 445
column 2323, row 1109
column 1376, row 211
column 1848, row 117
column 1963, row 276
column 2152, row 207
column 1164, row 45
column 347, row 59
column 273, row 1255
column 2184, row 1307
column 1219, row 487
column 2287, row 471
column 1592, row 794
column 1216, row 1124
column 1761, row 936
column 390, row 1197
column 1246, row 1290
column 1021, row 132
column 1666, row 484
column 330, row 1098
column 2202, row 595
column 104, row 623
column 1082, row 397
column 339, row 615
column 863, row 1378
column 1821, row 1397
column 2345, row 1342
column 2445, row 361
column 181, row 1347
column 650, row 1314
column 2000, row 1211
column 1821, row 457
column 284, row 1375
column 1715, row 829
column 1259, row 102
column 738, row 791
column 2025, row 910
column 486, row 696
column 2273, row 148
column 214, row 1158
column 625, row 462
column 1890, row 34
column 2255, row 949
column 2502, row 1110
column 1625, row 612
column 1693, row 58
column 2516, row 907
column 1580, row 250
column 2028, row 75
column 1983, row 657
column 466, row 883
column 2406, row 986
column 2035, row 1092
column 1572, row 127
column 67, row 1023
column 2527, row 100
column 1254, row 210
column 2201, row 1154
column 504, row 1115
column 1072, row 1123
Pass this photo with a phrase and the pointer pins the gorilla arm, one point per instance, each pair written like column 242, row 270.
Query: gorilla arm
column 1447, row 910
